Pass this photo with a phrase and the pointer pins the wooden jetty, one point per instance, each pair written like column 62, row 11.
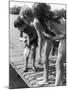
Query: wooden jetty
column 31, row 77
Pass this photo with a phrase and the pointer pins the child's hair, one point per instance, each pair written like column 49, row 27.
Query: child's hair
column 41, row 9
column 25, row 10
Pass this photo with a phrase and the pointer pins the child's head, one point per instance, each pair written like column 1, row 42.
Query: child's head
column 26, row 14
column 41, row 9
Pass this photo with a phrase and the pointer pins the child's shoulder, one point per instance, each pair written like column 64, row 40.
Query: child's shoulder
column 36, row 20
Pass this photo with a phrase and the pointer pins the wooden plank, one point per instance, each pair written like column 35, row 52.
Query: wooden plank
column 26, row 73
column 31, row 78
column 33, row 74
column 34, row 77
column 20, row 66
column 33, row 82
column 35, row 85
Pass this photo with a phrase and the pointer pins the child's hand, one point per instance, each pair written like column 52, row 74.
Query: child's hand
column 48, row 36
column 59, row 37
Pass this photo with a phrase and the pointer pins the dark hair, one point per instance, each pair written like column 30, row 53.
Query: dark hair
column 19, row 22
column 41, row 9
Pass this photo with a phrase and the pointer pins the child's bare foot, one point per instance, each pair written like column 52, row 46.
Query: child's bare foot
column 35, row 68
column 60, row 84
column 41, row 81
column 26, row 70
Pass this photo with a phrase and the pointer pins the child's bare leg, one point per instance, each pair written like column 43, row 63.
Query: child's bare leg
column 39, row 53
column 47, row 49
column 40, row 39
column 46, row 68
column 59, row 64
column 39, row 49
column 34, row 55
column 26, row 67
column 59, row 70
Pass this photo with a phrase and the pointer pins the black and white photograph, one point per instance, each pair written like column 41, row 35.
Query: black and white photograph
column 37, row 44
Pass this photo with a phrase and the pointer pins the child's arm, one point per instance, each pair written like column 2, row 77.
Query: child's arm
column 58, row 37
column 38, row 27
column 48, row 35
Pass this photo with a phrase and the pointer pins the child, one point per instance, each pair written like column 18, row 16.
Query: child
column 60, row 30
column 61, row 52
column 30, row 40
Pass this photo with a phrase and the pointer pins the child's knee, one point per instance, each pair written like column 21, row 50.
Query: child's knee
column 32, row 47
column 59, row 64
column 44, row 59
